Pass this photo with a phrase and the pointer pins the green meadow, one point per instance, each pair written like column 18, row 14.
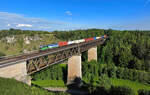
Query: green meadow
column 131, row 84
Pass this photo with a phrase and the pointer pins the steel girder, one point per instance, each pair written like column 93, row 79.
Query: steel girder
column 38, row 63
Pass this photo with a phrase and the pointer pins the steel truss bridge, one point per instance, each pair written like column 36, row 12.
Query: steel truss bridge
column 41, row 59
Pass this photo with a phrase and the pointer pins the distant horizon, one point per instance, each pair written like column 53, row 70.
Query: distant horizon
column 50, row 15
column 72, row 30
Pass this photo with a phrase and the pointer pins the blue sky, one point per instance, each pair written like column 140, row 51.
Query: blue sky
column 75, row 14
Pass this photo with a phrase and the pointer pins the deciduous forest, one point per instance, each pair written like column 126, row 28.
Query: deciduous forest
column 123, row 61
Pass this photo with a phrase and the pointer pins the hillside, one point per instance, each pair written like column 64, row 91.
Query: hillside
column 13, row 87
column 124, row 57
column 128, row 49
column 18, row 41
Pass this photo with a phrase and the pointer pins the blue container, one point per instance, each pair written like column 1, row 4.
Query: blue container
column 94, row 38
column 52, row 45
column 43, row 46
column 102, row 37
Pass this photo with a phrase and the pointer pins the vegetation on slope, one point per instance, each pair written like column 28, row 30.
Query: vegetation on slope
column 104, row 78
column 13, row 87
column 93, row 69
column 54, row 72
column 18, row 41
column 124, row 57
column 97, row 75
column 11, row 32
column 128, row 49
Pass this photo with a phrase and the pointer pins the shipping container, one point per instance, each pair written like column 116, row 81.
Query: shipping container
column 76, row 41
column 98, row 37
column 62, row 43
column 82, row 40
column 89, row 39
column 94, row 38
column 71, row 42
column 52, row 45
column 41, row 46
column 44, row 48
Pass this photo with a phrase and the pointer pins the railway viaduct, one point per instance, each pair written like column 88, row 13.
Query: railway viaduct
column 22, row 66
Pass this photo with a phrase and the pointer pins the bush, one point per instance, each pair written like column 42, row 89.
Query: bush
column 124, row 73
column 111, row 70
column 55, row 72
column 95, row 69
column 2, row 54
column 90, row 70
column 119, row 72
column 104, row 81
column 144, row 77
column 143, row 92
column 114, row 90
column 135, row 76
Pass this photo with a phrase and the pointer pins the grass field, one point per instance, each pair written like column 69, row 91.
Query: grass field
column 133, row 85
column 13, row 87
column 49, row 83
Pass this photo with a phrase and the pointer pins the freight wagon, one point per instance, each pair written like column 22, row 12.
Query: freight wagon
column 89, row 39
column 60, row 44
column 48, row 46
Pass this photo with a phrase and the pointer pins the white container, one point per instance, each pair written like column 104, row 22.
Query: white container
column 76, row 41
column 71, row 42
column 98, row 37
column 82, row 40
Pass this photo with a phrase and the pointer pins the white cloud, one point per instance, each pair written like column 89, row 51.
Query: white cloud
column 140, row 24
column 8, row 25
column 68, row 13
column 24, row 25
column 12, row 20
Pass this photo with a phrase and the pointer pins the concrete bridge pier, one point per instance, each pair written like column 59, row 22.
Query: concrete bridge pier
column 74, row 70
column 17, row 71
column 92, row 54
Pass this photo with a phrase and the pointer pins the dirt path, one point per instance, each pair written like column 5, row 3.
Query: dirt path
column 61, row 89
column 57, row 89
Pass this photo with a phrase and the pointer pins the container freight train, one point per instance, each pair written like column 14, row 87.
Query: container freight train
column 59, row 44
